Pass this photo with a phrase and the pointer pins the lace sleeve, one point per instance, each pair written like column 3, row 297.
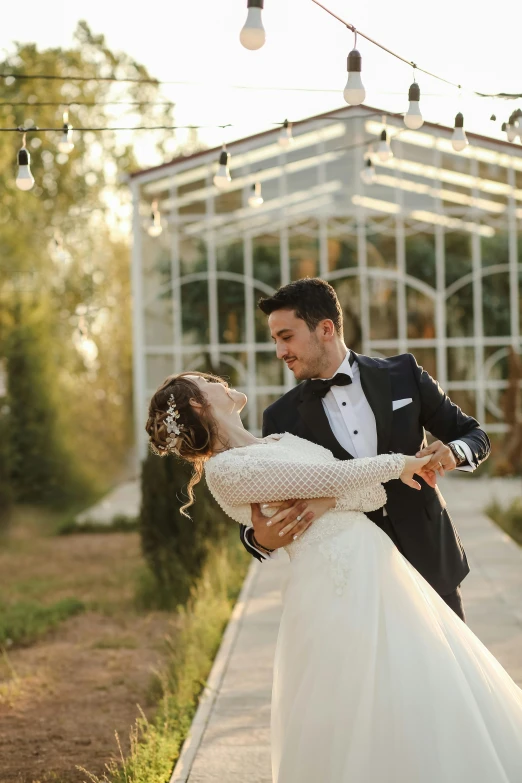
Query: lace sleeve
column 244, row 477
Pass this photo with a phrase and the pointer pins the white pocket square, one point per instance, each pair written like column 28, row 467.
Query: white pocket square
column 401, row 403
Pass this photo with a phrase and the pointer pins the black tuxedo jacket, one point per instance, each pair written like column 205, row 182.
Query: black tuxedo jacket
column 421, row 524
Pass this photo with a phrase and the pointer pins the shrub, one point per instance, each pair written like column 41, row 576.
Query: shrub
column 509, row 518
column 175, row 548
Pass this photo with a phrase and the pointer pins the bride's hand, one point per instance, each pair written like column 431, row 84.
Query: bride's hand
column 414, row 465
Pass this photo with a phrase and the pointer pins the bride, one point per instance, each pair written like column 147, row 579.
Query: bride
column 376, row 679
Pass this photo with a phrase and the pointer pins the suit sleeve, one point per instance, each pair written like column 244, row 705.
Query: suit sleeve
column 445, row 420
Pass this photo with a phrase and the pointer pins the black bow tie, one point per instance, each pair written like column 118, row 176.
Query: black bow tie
column 319, row 387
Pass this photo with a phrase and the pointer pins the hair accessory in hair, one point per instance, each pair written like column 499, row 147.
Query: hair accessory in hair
column 172, row 427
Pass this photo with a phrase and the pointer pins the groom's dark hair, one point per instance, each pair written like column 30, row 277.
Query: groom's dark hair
column 311, row 298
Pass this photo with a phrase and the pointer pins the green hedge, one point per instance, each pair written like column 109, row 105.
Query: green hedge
column 176, row 548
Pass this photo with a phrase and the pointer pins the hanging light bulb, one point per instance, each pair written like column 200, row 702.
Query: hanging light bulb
column 354, row 92
column 285, row 136
column 154, row 228
column 223, row 177
column 459, row 139
column 24, row 178
column 255, row 199
column 511, row 129
column 384, row 150
column 66, row 143
column 253, row 35
column 413, row 118
column 368, row 172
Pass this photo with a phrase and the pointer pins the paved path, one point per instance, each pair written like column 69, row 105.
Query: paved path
column 230, row 736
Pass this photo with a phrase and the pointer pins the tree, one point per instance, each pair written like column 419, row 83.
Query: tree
column 68, row 235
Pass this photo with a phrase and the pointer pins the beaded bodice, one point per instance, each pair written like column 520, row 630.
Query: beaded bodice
column 285, row 466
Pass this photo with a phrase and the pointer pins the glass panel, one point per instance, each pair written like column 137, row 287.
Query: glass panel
column 349, row 292
column 158, row 369
column 461, row 363
column 383, row 309
column 229, row 258
column 457, row 249
column 261, row 325
column 420, row 314
column 231, row 311
column 465, row 399
column 426, row 358
column 269, row 369
column 495, row 305
column 420, row 257
column 380, row 243
column 193, row 255
column 304, row 250
column 495, row 250
column 266, row 251
column 459, row 313
column 228, row 201
column 194, row 312
column 232, row 367
column 159, row 324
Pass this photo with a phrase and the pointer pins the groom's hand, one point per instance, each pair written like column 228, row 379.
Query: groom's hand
column 442, row 458
column 289, row 522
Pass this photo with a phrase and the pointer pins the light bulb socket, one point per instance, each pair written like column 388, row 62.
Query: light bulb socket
column 384, row 136
column 368, row 163
column 504, row 127
column 414, row 92
column 23, row 157
column 493, row 118
column 255, row 4
column 354, row 62
column 66, row 128
column 286, row 124
column 459, row 120
column 223, row 158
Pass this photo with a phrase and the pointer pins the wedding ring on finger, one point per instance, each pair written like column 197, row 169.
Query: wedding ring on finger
column 298, row 518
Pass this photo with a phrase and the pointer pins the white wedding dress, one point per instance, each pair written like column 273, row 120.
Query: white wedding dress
column 376, row 679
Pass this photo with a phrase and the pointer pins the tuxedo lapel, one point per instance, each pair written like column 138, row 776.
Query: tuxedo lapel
column 376, row 385
column 313, row 415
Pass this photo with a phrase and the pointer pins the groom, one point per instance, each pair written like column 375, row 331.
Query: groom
column 356, row 406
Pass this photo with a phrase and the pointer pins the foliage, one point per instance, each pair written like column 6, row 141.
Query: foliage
column 64, row 267
column 22, row 622
column 175, row 548
column 509, row 518
column 155, row 745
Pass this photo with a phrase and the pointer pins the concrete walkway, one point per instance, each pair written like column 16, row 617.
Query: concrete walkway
column 230, row 735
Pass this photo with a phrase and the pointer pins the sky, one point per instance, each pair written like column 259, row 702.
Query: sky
column 475, row 45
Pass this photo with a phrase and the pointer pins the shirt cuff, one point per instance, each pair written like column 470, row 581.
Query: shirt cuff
column 248, row 535
column 468, row 466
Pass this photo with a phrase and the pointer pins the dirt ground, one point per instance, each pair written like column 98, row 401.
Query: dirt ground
column 63, row 697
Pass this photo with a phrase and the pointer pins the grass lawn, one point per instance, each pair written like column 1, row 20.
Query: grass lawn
column 509, row 518
column 75, row 655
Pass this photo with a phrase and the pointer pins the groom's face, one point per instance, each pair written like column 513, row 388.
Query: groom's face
column 301, row 350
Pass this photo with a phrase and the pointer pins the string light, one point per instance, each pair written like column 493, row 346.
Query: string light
column 24, row 178
column 154, row 228
column 354, row 92
column 384, row 150
column 459, row 140
column 285, row 136
column 66, row 144
column 255, row 199
column 252, row 35
column 368, row 172
column 222, row 177
column 413, row 118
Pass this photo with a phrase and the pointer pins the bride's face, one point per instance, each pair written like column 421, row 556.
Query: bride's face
column 224, row 400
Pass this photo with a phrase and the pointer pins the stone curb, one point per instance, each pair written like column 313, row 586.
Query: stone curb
column 191, row 745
